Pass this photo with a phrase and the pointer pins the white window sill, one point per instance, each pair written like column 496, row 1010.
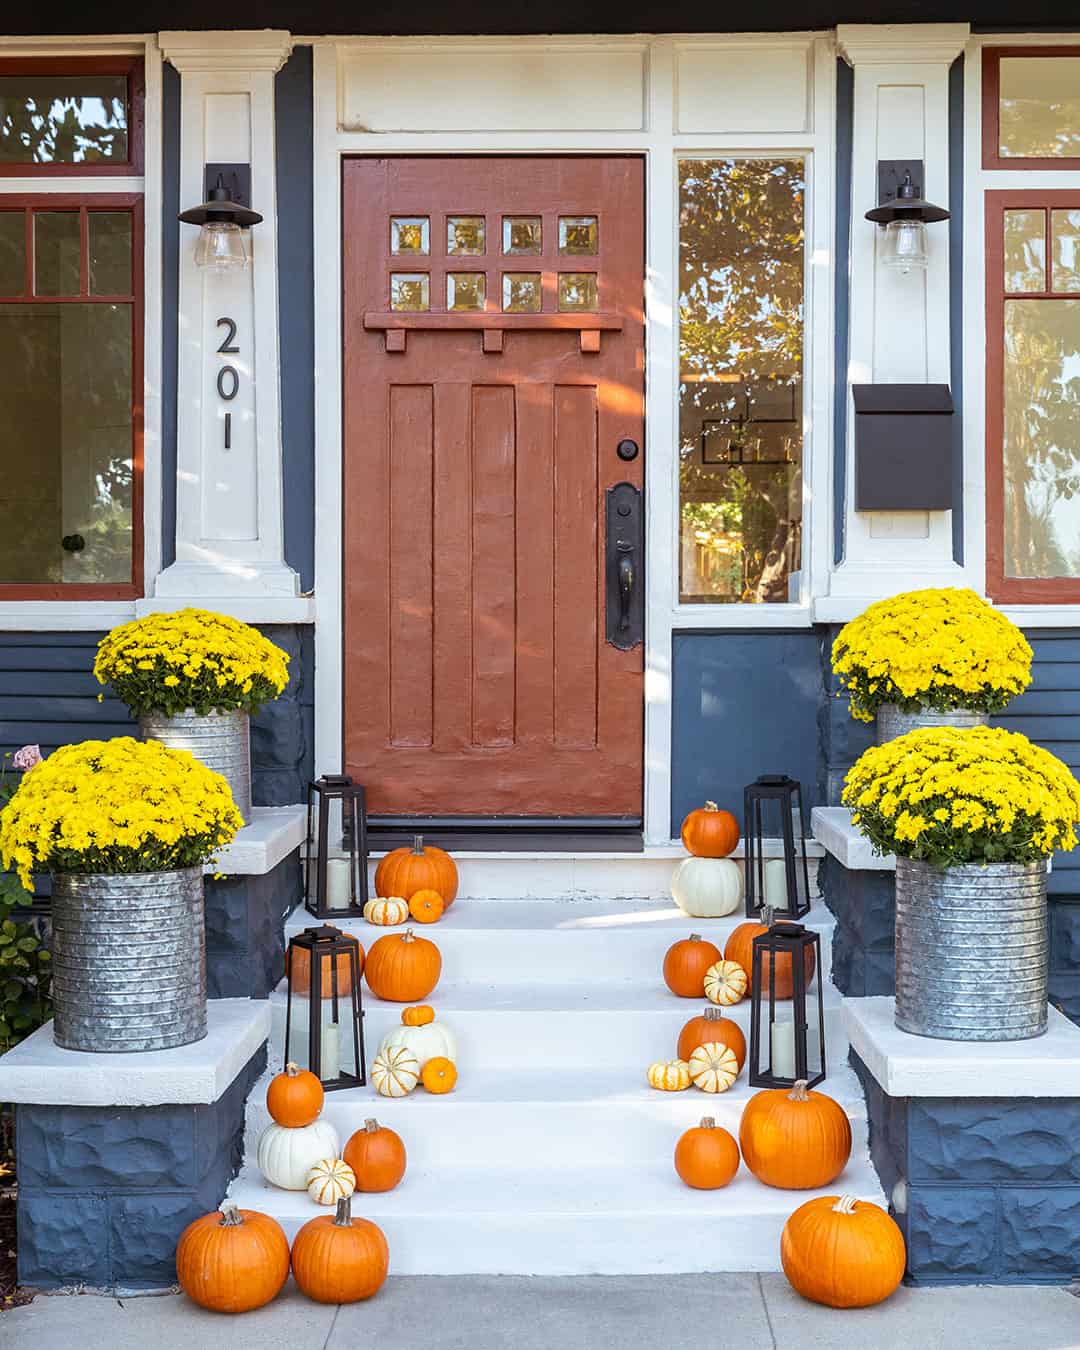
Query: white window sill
column 72, row 616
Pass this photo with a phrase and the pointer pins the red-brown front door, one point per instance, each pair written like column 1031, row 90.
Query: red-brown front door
column 494, row 360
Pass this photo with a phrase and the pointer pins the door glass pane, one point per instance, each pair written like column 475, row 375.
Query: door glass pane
column 1025, row 251
column 12, row 252
column 522, row 234
column 577, row 291
column 465, row 290
column 1041, row 447
column 741, row 260
column 410, row 234
column 56, row 253
column 410, row 291
column 578, row 234
column 522, row 292
column 1065, row 234
column 63, row 119
column 65, row 387
column 1040, row 106
column 110, row 252
column 465, row 236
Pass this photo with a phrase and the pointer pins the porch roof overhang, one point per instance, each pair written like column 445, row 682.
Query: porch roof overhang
column 496, row 17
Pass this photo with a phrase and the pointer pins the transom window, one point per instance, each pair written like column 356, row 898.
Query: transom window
column 1031, row 107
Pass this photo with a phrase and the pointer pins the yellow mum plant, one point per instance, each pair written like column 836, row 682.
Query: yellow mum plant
column 978, row 795
column 116, row 806
column 193, row 658
column 937, row 649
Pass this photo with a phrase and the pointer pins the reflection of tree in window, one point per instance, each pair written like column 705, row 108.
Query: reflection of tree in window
column 63, row 119
column 740, row 343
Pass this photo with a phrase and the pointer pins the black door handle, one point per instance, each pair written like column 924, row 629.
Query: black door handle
column 627, row 578
column 624, row 566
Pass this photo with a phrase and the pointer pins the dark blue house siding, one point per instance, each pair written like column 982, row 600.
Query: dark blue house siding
column 48, row 695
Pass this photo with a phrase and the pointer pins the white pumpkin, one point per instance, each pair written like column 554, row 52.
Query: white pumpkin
column 395, row 1071
column 386, row 910
column 426, row 1042
column 330, row 1180
column 708, row 888
column 286, row 1156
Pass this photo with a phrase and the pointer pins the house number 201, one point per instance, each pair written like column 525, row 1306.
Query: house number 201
column 228, row 377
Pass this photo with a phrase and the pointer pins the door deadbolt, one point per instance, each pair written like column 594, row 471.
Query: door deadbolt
column 627, row 450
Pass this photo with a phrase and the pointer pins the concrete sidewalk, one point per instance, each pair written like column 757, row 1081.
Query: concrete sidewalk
column 678, row 1312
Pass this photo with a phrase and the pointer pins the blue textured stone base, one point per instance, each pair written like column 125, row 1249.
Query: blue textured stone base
column 105, row 1192
column 864, row 904
column 245, row 929
column 986, row 1190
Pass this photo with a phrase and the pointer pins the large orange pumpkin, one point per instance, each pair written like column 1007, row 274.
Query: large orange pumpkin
column 402, row 967
column 842, row 1252
column 340, row 1259
column 404, row 871
column 709, row 832
column 686, row 963
column 232, row 1260
column 794, row 1139
column 301, row 977
column 711, row 1027
column 377, row 1156
column 740, row 947
column 706, row 1156
column 295, row 1097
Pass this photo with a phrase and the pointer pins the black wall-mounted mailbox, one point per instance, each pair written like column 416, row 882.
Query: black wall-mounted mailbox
column 903, row 447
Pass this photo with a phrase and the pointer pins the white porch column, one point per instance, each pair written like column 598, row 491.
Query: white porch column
column 229, row 519
column 899, row 324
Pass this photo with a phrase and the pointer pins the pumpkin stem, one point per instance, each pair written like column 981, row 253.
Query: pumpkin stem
column 418, row 844
column 408, row 935
column 292, row 1069
column 713, row 1014
column 799, row 1092
column 343, row 1217
column 710, row 806
column 694, row 937
column 708, row 1122
column 844, row 1205
column 371, row 1125
column 230, row 1215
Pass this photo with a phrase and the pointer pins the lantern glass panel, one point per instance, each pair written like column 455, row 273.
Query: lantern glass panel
column 773, row 813
column 325, row 1011
column 337, row 816
column 786, row 1029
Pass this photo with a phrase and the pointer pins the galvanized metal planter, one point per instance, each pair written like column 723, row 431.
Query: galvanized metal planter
column 971, row 951
column 221, row 740
column 128, row 960
column 893, row 722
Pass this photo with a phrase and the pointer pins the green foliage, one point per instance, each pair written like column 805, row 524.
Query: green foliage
column 25, row 971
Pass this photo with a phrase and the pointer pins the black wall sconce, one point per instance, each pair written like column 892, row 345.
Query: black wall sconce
column 223, row 218
column 904, row 214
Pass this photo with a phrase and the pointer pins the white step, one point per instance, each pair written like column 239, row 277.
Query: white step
column 563, row 941
column 594, row 1118
column 571, row 1220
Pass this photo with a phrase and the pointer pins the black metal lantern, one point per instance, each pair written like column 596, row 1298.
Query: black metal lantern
column 324, row 1018
column 772, row 809
column 787, row 1013
column 223, row 218
column 336, row 888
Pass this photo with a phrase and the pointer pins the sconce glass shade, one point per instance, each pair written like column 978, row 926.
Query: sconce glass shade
column 221, row 246
column 904, row 245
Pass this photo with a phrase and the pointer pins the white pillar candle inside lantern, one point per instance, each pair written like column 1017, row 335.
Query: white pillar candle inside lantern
column 775, row 884
column 337, row 883
column 783, row 1049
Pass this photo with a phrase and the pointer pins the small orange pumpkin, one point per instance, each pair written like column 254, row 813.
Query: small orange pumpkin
column 426, row 906
column 419, row 1016
column 295, row 1097
column 686, row 963
column 706, row 1156
column 794, row 1139
column 439, row 1075
column 300, row 957
column 402, row 967
column 340, row 1259
column 712, row 1027
column 377, row 1157
column 232, row 1260
column 842, row 1252
column 404, row 871
column 709, row 832
column 740, row 948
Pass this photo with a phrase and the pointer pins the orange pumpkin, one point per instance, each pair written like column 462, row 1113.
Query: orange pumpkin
column 232, row 1260
column 419, row 1016
column 295, row 1097
column 439, row 1075
column 740, row 947
column 794, row 1139
column 404, row 871
column 706, row 1156
column 426, row 906
column 686, row 963
column 709, row 832
column 842, row 1252
column 712, row 1027
column 402, row 967
column 300, row 957
column 340, row 1259
column 377, row 1157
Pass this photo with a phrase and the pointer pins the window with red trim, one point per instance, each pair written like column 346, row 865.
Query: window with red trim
column 1033, row 395
column 1031, row 107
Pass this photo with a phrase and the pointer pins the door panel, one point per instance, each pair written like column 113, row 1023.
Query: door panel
column 479, row 444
